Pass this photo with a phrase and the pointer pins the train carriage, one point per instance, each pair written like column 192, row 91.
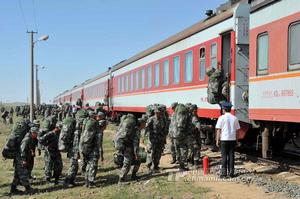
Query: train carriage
column 256, row 45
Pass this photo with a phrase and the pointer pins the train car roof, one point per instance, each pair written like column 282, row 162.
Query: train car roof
column 201, row 25
column 256, row 5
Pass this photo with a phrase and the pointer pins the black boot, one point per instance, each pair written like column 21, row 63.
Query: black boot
column 173, row 161
column 134, row 177
column 14, row 190
column 29, row 189
column 56, row 181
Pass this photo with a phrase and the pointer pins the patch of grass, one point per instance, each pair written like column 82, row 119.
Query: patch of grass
column 156, row 186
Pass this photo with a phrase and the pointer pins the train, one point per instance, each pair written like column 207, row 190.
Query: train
column 255, row 43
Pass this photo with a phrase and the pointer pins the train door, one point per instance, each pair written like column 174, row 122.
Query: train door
column 226, row 54
column 241, row 62
column 226, row 58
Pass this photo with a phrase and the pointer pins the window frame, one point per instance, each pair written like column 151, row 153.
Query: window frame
column 296, row 66
column 143, row 77
column 157, row 74
column 192, row 71
column 126, row 82
column 123, row 83
column 149, row 76
column 179, row 65
column 137, row 80
column 166, row 76
column 213, row 57
column 200, row 59
column 262, row 71
column 119, row 84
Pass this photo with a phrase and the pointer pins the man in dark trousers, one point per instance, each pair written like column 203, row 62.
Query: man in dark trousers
column 227, row 127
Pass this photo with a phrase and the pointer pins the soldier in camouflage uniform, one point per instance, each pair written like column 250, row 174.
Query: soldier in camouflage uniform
column 171, row 134
column 89, row 146
column 48, row 124
column 54, row 161
column 156, row 133
column 73, row 152
column 181, row 129
column 22, row 162
column 35, row 124
column 130, row 151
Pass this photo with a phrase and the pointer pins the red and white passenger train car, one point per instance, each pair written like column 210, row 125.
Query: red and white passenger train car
column 257, row 43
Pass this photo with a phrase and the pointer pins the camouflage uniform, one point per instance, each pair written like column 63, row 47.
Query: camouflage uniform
column 130, row 153
column 91, row 152
column 172, row 139
column 48, row 124
column 53, row 161
column 181, row 129
column 195, row 140
column 24, row 155
column 156, row 131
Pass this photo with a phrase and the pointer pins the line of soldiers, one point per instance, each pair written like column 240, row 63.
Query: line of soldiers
column 80, row 135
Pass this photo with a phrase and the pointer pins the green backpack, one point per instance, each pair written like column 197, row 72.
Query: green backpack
column 13, row 143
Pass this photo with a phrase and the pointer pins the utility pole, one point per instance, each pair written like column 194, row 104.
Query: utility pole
column 31, row 75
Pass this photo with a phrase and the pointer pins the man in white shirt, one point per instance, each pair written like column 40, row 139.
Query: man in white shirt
column 227, row 127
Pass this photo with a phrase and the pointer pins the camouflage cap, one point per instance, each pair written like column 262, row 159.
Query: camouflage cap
column 34, row 129
column 59, row 125
column 92, row 113
column 174, row 104
column 156, row 110
column 193, row 107
column 143, row 118
column 100, row 114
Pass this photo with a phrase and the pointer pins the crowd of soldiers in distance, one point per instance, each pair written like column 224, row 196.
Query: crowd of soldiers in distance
column 78, row 131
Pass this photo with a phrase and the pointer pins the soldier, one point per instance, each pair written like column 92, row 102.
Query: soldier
column 89, row 146
column 48, row 124
column 171, row 134
column 130, row 150
column 54, row 161
column 22, row 162
column 155, row 129
column 35, row 124
column 102, row 124
column 73, row 150
column 181, row 129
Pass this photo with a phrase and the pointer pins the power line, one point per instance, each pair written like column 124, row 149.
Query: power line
column 34, row 14
column 22, row 13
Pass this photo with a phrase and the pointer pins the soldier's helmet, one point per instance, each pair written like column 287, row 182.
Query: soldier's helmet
column 143, row 119
column 193, row 107
column 101, row 114
column 34, row 129
column 59, row 125
column 91, row 114
column 36, row 123
column 156, row 110
column 174, row 104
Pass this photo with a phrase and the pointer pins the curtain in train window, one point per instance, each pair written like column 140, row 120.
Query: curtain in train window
column 262, row 53
column 213, row 55
column 294, row 46
column 166, row 72
column 188, row 67
column 176, row 70
column 156, row 75
column 123, row 83
column 137, row 80
column 119, row 84
column 131, row 81
column 149, row 76
column 142, row 78
column 126, row 84
column 202, row 64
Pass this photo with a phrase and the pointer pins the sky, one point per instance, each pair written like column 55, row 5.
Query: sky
column 85, row 38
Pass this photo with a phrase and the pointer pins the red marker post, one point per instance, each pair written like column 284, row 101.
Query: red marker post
column 205, row 165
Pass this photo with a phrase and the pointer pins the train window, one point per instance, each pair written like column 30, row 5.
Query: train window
column 188, row 67
column 294, row 46
column 262, row 53
column 143, row 78
column 176, row 70
column 131, row 81
column 213, row 55
column 119, row 84
column 149, row 76
column 126, row 83
column 123, row 83
column 166, row 72
column 137, row 80
column 157, row 74
column 202, row 64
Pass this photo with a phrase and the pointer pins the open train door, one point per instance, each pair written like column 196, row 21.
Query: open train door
column 241, row 63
